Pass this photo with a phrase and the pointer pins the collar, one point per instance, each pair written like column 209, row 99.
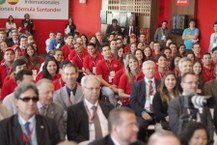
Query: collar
column 90, row 105
column 39, row 105
column 114, row 140
column 146, row 80
column 23, row 121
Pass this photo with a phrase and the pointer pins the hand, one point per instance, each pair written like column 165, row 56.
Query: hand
column 146, row 116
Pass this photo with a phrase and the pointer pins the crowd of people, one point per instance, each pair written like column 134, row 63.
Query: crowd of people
column 108, row 89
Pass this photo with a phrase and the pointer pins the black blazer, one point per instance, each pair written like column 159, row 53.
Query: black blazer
column 108, row 141
column 135, row 30
column 111, row 29
column 137, row 96
column 11, row 132
column 78, row 121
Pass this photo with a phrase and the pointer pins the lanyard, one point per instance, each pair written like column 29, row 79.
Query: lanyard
column 26, row 138
column 109, row 66
column 94, row 61
column 79, row 57
column 161, row 75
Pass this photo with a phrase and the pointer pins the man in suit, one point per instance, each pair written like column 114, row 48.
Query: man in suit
column 182, row 109
column 131, row 29
column 87, row 120
column 113, row 28
column 142, row 93
column 47, row 108
column 27, row 127
column 13, row 40
column 122, row 127
column 71, row 93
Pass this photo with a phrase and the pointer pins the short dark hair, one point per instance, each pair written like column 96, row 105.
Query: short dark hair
column 115, row 116
column 23, row 87
column 19, row 62
column 192, row 20
column 214, row 49
column 161, row 55
column 91, row 44
column 205, row 53
column 65, row 62
column 114, row 21
column 19, row 76
column 165, row 21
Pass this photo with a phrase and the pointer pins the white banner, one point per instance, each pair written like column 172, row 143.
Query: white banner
column 37, row 9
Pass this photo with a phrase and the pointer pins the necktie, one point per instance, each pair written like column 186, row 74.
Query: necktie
column 131, row 30
column 98, row 131
column 71, row 98
column 43, row 110
column 151, row 91
column 26, row 126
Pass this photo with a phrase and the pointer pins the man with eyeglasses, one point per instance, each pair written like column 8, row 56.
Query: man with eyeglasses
column 87, row 120
column 123, row 128
column 27, row 127
column 181, row 110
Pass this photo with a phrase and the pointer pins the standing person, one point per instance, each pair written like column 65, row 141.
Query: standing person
column 113, row 28
column 162, row 34
column 70, row 27
column 190, row 35
column 10, row 24
column 213, row 38
column 27, row 127
column 123, row 129
column 131, row 29
column 28, row 24
column 87, row 120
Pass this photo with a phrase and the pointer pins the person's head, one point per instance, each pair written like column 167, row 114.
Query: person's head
column 140, row 45
column 30, row 50
column 19, row 64
column 91, row 88
column 3, row 46
column 69, row 39
column 197, row 67
column 23, row 41
column 2, row 36
column 119, row 51
column 99, row 36
column 131, row 22
column 164, row 24
column 196, row 49
column 156, row 48
column 84, row 39
column 206, row 59
column 63, row 64
column 123, row 125
column 70, row 20
column 192, row 23
column 50, row 68
column 91, row 48
column 26, row 97
column 111, row 36
column 139, row 55
column 9, row 55
column 70, row 75
column 58, row 35
column 126, row 57
column 191, row 55
column 11, row 19
column 114, row 22
column 46, row 91
column 119, row 42
column 147, row 52
column 133, row 65
column 189, row 83
column 215, row 26
column 163, row 138
column 185, row 65
column 132, row 47
column 93, row 39
column 174, row 63
column 78, row 47
column 26, row 16
column 133, row 38
column 58, row 55
column 168, row 41
column 51, row 35
column 167, row 51
column 169, row 84
column 148, row 69
column 161, row 61
column 24, row 75
column 30, row 39
column 106, row 51
column 15, row 35
column 112, row 45
column 142, row 37
column 194, row 133
column 173, row 47
column 181, row 49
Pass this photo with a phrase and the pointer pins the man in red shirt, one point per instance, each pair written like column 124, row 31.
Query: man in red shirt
column 105, row 70
column 208, row 69
column 196, row 49
column 68, row 47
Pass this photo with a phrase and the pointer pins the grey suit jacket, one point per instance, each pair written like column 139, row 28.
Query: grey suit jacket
column 61, row 97
column 57, row 113
column 8, row 102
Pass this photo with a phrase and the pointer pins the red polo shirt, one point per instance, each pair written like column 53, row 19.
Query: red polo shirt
column 208, row 74
column 4, row 71
column 90, row 62
column 8, row 87
column 104, row 67
column 117, row 77
column 67, row 49
column 78, row 59
column 58, row 83
column 40, row 76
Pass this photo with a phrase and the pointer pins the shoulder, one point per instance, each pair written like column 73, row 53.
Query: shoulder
column 76, row 108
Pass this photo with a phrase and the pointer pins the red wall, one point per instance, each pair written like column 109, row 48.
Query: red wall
column 86, row 16
column 164, row 11
column 206, row 17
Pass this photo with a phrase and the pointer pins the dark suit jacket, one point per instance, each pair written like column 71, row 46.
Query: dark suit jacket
column 111, row 29
column 135, row 30
column 137, row 96
column 108, row 141
column 11, row 132
column 78, row 121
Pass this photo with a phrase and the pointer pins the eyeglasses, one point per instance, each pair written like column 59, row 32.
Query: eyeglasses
column 27, row 99
column 91, row 89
